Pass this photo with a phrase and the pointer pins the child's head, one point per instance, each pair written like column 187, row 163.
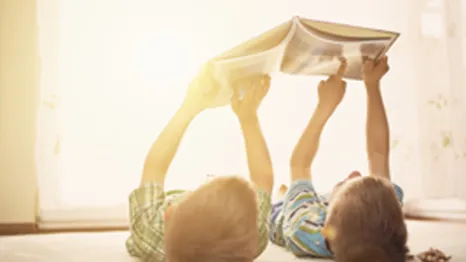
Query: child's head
column 217, row 222
column 366, row 223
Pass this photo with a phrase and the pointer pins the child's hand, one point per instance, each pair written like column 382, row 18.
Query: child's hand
column 332, row 90
column 202, row 90
column 374, row 71
column 255, row 88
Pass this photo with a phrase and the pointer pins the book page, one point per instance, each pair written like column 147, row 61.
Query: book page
column 345, row 32
column 258, row 44
column 310, row 53
column 260, row 55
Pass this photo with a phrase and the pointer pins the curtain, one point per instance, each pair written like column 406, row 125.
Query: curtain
column 440, row 67
column 114, row 72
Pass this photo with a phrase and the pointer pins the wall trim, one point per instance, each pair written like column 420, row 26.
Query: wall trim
column 442, row 209
column 8, row 229
column 13, row 229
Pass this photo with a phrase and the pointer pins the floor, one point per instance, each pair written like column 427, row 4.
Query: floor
column 88, row 247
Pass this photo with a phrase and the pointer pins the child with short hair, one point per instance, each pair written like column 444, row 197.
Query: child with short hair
column 225, row 219
column 362, row 219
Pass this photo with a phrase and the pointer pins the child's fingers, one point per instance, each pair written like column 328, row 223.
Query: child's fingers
column 235, row 101
column 249, row 90
column 382, row 65
column 264, row 85
column 342, row 68
column 368, row 65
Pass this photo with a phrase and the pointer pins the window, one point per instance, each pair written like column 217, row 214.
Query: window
column 113, row 73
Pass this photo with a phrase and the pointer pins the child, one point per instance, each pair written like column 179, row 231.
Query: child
column 362, row 219
column 224, row 220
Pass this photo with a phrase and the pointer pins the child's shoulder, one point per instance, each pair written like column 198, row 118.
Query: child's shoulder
column 174, row 196
column 399, row 192
column 263, row 194
column 264, row 200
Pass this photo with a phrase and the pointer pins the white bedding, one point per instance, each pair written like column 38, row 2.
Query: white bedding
column 88, row 247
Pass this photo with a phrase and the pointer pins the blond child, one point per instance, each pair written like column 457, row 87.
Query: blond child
column 224, row 219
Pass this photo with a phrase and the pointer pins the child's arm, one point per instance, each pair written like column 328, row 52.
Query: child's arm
column 306, row 149
column 331, row 93
column 163, row 150
column 259, row 162
column 200, row 95
column 377, row 130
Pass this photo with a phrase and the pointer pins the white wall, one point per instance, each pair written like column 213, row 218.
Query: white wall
column 18, row 81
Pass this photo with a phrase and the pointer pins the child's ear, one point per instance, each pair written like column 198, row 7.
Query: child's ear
column 329, row 232
column 168, row 211
column 354, row 174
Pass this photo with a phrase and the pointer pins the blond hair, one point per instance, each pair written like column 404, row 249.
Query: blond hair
column 217, row 222
column 367, row 219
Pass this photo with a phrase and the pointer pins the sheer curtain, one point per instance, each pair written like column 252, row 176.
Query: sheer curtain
column 441, row 82
column 113, row 73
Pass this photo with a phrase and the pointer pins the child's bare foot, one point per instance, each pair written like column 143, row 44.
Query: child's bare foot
column 281, row 193
column 282, row 190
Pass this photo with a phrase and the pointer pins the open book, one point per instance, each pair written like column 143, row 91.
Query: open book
column 301, row 47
